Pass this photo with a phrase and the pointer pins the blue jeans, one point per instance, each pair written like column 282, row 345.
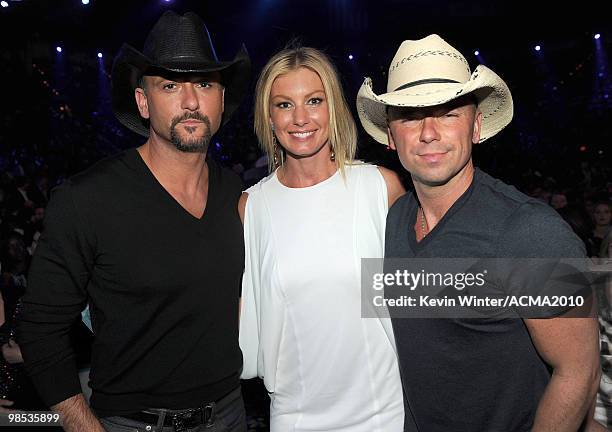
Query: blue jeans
column 229, row 417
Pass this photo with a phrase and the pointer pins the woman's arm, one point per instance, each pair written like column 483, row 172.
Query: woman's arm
column 395, row 189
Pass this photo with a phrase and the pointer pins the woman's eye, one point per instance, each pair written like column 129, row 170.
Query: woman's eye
column 315, row 101
column 283, row 105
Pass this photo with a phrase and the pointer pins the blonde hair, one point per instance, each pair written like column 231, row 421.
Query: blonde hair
column 342, row 129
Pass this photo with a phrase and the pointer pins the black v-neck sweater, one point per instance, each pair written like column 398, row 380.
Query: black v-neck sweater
column 162, row 286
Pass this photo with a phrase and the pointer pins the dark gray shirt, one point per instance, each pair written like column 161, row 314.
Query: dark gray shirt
column 475, row 374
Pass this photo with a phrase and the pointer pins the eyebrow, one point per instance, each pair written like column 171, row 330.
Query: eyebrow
column 305, row 96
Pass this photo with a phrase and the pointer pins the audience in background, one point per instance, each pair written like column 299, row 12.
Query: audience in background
column 602, row 217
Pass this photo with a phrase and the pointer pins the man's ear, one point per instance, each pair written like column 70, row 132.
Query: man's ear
column 477, row 127
column 142, row 102
column 390, row 138
column 223, row 101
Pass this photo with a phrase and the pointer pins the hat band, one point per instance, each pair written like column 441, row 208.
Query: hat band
column 426, row 81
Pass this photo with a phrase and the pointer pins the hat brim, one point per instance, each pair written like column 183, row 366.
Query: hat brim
column 492, row 93
column 130, row 65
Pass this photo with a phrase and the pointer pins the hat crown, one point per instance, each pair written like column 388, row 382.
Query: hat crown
column 176, row 38
column 427, row 60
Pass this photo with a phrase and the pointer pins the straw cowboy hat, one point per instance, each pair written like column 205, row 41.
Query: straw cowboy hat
column 176, row 44
column 429, row 72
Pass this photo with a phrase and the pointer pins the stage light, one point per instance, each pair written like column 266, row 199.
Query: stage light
column 597, row 36
column 4, row 4
column 583, row 148
column 99, row 55
column 476, row 53
column 351, row 57
column 85, row 2
column 58, row 49
column 538, row 47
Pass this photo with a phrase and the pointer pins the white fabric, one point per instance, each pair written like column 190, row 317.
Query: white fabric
column 301, row 329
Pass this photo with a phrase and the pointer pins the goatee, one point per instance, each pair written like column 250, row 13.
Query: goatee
column 195, row 144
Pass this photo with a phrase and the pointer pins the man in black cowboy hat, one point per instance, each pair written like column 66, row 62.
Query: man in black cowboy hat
column 480, row 368
column 152, row 241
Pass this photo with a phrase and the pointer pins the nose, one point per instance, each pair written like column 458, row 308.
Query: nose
column 429, row 132
column 189, row 97
column 300, row 115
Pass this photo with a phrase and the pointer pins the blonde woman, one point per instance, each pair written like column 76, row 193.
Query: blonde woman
column 306, row 227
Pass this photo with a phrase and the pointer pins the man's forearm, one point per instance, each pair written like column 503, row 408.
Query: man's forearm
column 566, row 401
column 76, row 416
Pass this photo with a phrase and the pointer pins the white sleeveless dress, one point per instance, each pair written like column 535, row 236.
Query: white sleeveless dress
column 326, row 368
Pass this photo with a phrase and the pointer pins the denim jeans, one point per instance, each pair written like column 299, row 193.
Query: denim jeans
column 229, row 417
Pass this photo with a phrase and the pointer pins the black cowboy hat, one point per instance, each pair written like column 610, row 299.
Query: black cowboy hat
column 176, row 44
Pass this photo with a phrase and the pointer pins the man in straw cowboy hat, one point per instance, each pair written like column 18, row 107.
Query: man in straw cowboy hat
column 485, row 374
column 152, row 241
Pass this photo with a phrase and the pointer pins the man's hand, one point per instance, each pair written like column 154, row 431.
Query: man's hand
column 593, row 425
column 11, row 352
column 76, row 416
column 4, row 403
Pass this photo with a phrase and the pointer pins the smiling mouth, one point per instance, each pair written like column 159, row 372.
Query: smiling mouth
column 302, row 134
column 432, row 157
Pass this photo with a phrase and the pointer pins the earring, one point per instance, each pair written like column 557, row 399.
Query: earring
column 332, row 156
column 275, row 151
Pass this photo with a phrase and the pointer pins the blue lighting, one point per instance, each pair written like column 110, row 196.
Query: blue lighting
column 85, row 2
column 58, row 49
column 538, row 47
column 597, row 36
column 351, row 57
column 476, row 53
column 3, row 3
column 99, row 55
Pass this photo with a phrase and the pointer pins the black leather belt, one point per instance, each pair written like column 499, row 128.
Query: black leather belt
column 180, row 420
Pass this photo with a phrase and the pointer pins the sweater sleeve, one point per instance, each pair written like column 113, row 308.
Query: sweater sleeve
column 54, row 298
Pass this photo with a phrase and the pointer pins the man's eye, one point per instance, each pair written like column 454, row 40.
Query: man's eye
column 450, row 114
column 169, row 86
column 205, row 84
